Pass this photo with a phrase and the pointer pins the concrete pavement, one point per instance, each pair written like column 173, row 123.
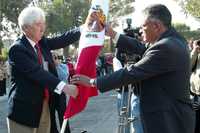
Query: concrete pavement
column 3, row 108
column 100, row 116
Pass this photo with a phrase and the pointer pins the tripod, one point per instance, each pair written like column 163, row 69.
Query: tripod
column 124, row 118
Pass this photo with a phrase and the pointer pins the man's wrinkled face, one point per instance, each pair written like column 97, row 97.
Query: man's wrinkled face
column 36, row 30
column 149, row 30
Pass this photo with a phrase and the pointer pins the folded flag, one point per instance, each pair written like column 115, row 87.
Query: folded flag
column 90, row 44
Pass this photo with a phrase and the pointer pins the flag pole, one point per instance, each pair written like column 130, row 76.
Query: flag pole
column 64, row 124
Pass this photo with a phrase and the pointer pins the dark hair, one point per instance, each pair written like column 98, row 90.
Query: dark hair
column 159, row 12
column 198, row 42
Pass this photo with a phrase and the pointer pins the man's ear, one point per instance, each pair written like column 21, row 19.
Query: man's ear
column 25, row 28
column 157, row 26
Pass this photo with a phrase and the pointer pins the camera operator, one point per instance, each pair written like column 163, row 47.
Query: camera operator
column 121, row 60
column 195, row 81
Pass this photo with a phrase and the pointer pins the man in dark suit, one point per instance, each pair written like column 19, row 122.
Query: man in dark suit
column 33, row 74
column 163, row 73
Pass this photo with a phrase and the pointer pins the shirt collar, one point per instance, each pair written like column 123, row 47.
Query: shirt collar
column 31, row 42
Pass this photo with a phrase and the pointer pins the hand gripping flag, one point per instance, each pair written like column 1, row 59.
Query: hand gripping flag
column 90, row 45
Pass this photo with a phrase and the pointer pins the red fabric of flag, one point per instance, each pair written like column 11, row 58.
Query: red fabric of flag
column 90, row 44
column 86, row 65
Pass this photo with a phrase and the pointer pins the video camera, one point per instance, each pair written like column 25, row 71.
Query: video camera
column 131, row 32
column 128, row 57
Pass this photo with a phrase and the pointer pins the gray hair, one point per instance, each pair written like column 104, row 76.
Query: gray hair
column 30, row 15
column 159, row 12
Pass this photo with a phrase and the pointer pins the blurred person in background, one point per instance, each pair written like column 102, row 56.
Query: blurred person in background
column 3, row 77
column 70, row 66
column 59, row 102
column 195, row 81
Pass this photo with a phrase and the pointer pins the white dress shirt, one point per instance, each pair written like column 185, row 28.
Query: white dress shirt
column 61, row 84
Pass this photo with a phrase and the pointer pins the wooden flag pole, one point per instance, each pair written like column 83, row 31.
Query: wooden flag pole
column 64, row 124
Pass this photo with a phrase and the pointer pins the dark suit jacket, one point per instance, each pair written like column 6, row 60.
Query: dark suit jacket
column 163, row 73
column 28, row 78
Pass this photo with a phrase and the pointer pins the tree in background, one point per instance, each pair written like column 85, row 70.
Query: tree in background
column 9, row 10
column 61, row 15
column 181, row 27
column 64, row 14
column 185, row 31
column 191, row 6
column 118, row 8
column 4, row 54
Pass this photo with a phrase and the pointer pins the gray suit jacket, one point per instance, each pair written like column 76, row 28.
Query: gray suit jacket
column 163, row 73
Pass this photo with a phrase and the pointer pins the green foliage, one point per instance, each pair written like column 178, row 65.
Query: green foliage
column 191, row 6
column 63, row 14
column 9, row 12
column 1, row 44
column 191, row 34
column 120, row 8
column 10, row 9
column 4, row 54
column 185, row 31
column 181, row 27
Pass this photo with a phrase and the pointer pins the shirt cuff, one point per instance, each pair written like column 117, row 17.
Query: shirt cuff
column 116, row 38
column 60, row 87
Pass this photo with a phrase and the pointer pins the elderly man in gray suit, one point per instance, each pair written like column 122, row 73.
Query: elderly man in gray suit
column 163, row 73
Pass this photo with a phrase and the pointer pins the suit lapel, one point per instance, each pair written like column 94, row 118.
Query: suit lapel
column 46, row 54
column 29, row 47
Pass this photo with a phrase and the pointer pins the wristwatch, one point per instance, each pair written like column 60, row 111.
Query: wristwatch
column 93, row 82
